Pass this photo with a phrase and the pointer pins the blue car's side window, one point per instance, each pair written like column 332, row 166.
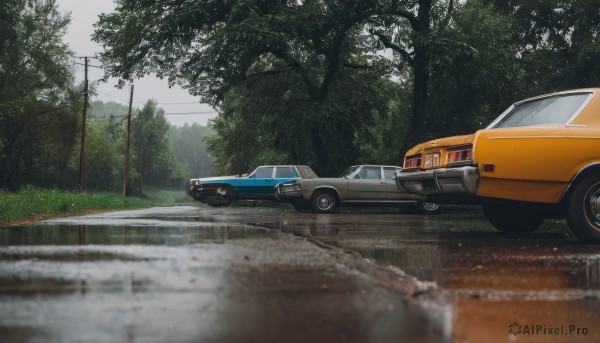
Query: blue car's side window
column 264, row 173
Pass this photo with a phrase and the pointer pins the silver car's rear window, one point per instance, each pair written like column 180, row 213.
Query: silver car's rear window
column 558, row 109
column 306, row 172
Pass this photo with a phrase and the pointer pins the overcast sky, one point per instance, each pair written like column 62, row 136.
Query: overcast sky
column 173, row 100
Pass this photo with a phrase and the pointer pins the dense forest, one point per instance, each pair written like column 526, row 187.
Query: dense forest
column 323, row 83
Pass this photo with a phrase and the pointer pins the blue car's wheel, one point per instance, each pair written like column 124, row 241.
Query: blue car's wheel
column 222, row 201
column 324, row 201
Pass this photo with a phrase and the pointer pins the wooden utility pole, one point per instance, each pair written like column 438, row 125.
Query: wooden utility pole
column 83, row 122
column 126, row 177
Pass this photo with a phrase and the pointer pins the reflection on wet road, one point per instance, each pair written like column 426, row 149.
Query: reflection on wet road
column 206, row 274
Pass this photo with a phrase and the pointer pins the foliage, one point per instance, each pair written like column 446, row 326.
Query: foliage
column 40, row 111
column 311, row 81
column 471, row 87
column 210, row 46
column 105, row 155
column 111, row 111
column 288, row 127
column 412, row 29
column 558, row 40
column 37, row 96
column 154, row 158
column 297, row 68
column 322, row 83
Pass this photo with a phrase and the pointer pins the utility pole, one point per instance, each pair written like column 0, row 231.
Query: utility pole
column 126, row 177
column 83, row 122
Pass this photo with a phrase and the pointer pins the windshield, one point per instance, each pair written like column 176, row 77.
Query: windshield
column 557, row 109
column 349, row 171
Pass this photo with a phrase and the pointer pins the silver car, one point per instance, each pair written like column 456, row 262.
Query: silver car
column 358, row 185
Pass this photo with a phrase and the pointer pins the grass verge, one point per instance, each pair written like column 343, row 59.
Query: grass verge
column 34, row 203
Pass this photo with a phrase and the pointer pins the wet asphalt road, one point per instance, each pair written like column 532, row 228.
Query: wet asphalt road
column 258, row 274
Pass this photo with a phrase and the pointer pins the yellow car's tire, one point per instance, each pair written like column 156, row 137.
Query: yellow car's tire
column 583, row 209
column 513, row 218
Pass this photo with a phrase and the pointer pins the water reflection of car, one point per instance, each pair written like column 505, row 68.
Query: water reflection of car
column 358, row 185
column 258, row 185
column 539, row 159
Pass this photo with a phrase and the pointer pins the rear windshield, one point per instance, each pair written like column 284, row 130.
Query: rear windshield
column 550, row 110
column 306, row 172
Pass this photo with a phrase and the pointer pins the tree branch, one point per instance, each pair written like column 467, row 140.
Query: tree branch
column 397, row 48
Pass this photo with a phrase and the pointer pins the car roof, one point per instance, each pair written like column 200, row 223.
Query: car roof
column 375, row 165
column 282, row 165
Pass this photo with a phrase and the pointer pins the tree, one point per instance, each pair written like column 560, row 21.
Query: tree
column 154, row 160
column 474, row 85
column 105, row 145
column 411, row 29
column 210, row 45
column 309, row 81
column 37, row 99
column 295, row 51
column 559, row 42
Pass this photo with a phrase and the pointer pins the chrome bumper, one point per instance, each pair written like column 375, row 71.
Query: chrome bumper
column 285, row 192
column 460, row 180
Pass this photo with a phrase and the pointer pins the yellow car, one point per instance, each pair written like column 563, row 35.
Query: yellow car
column 539, row 159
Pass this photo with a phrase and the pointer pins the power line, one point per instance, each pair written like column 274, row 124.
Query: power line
column 169, row 103
column 89, row 65
column 188, row 113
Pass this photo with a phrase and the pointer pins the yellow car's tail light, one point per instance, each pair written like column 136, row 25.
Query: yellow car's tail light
column 488, row 167
column 412, row 162
column 460, row 155
column 432, row 160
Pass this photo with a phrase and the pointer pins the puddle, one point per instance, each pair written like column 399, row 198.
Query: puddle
column 167, row 266
column 121, row 234
column 493, row 285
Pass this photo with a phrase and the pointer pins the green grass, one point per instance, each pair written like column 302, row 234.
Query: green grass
column 30, row 202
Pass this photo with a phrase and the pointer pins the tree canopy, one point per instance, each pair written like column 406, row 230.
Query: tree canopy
column 318, row 82
column 324, row 82
column 37, row 95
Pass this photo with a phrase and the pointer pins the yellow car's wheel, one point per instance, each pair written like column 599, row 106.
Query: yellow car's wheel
column 513, row 218
column 583, row 209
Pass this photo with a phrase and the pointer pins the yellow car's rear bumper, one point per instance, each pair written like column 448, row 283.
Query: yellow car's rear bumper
column 460, row 180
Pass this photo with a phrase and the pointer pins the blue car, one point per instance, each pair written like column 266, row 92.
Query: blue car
column 258, row 185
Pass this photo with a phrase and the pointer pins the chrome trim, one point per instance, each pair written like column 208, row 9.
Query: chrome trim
column 533, row 137
column 460, row 180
